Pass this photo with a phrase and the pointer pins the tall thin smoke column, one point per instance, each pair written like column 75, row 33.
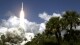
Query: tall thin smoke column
column 22, row 17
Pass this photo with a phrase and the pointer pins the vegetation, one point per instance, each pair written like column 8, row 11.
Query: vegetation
column 55, row 26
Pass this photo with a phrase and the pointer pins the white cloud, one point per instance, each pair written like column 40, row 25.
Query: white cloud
column 46, row 17
column 3, row 29
column 56, row 15
column 12, row 26
column 13, row 21
column 42, row 27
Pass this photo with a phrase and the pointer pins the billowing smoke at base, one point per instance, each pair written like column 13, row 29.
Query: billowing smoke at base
column 18, row 30
column 11, row 29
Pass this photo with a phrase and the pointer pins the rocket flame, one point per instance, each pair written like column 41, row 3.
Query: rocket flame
column 22, row 17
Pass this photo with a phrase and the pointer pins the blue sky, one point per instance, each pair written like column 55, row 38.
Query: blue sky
column 33, row 8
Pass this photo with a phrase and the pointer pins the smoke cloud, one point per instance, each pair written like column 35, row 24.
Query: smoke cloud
column 12, row 28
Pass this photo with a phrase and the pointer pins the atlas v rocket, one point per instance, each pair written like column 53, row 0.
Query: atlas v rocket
column 22, row 17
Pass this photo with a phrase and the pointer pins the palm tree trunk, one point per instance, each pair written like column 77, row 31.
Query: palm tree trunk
column 71, row 32
column 58, row 37
column 71, row 26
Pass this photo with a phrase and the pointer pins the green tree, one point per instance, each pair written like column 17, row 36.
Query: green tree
column 71, row 18
column 52, row 34
column 42, row 39
column 53, row 26
column 3, row 39
column 70, row 21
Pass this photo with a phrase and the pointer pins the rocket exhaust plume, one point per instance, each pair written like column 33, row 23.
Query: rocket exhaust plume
column 22, row 17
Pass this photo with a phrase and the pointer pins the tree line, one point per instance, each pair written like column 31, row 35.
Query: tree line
column 52, row 35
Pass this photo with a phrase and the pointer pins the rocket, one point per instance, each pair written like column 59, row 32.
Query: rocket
column 22, row 17
column 22, row 5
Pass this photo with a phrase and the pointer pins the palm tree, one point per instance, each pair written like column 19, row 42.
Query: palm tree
column 70, row 21
column 53, row 27
column 71, row 18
